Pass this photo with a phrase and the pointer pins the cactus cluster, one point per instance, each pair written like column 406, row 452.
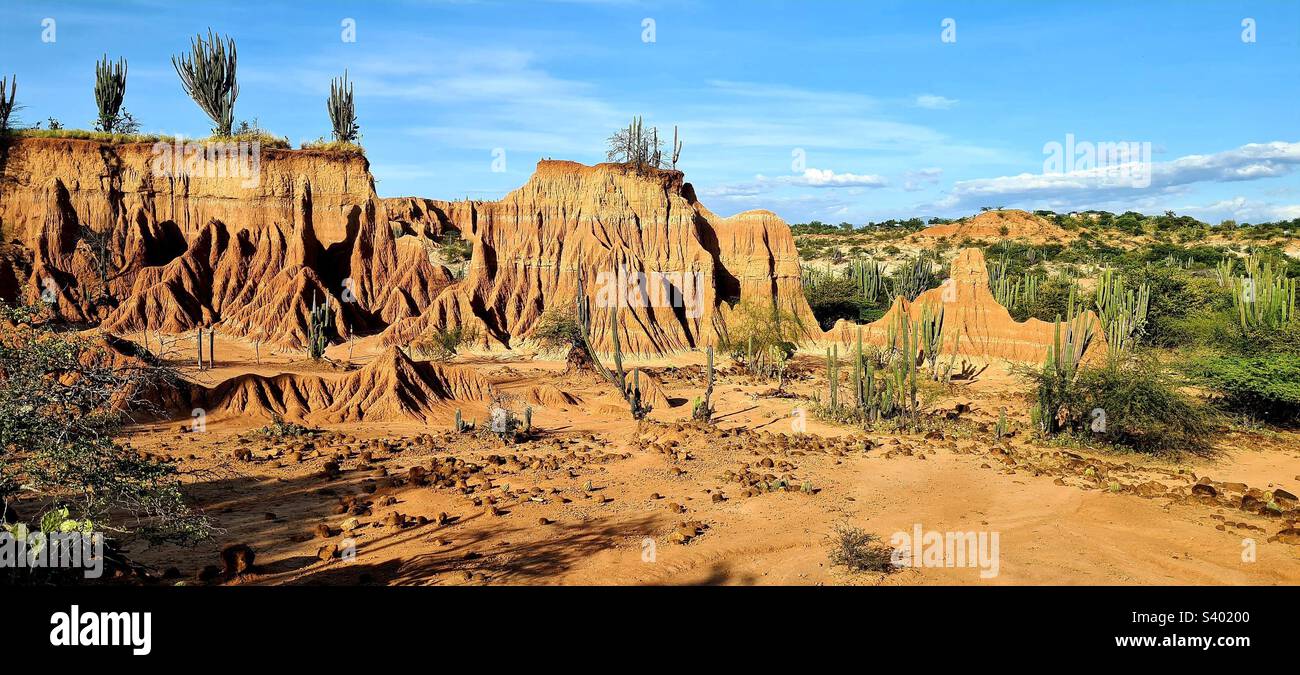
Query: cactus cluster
column 931, row 342
column 208, row 75
column 1225, row 272
column 319, row 322
column 618, row 376
column 875, row 397
column 1070, row 340
column 1017, row 294
column 7, row 103
column 915, row 278
column 870, row 282
column 110, row 88
column 1122, row 311
column 641, row 149
column 461, row 426
column 342, row 109
column 869, row 278
column 1265, row 297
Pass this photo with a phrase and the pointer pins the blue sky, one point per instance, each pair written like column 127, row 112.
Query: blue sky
column 890, row 120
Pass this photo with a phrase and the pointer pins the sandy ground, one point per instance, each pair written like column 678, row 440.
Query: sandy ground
column 595, row 498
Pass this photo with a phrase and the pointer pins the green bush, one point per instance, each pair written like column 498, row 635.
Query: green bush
column 834, row 297
column 1133, row 403
column 1214, row 329
column 1053, row 300
column 1143, row 408
column 1264, row 386
column 1184, row 310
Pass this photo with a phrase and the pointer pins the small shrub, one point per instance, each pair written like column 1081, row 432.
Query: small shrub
column 558, row 329
column 454, row 248
column 859, row 550
column 442, row 344
column 758, row 328
column 279, row 429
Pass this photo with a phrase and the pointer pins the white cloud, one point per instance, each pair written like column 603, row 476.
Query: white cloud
column 1248, row 162
column 1242, row 210
column 935, row 102
column 828, row 178
column 813, row 178
column 918, row 180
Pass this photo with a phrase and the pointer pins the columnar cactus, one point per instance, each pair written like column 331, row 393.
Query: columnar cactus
column 208, row 75
column 110, row 88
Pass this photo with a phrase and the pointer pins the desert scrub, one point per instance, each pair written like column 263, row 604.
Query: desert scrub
column 1134, row 403
column 1264, row 386
column 442, row 344
column 763, row 337
column 279, row 429
column 858, row 550
column 1143, row 407
column 63, row 401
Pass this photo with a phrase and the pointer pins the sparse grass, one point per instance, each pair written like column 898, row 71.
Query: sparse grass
column 266, row 140
column 88, row 135
column 258, row 136
column 341, row 147
column 859, row 550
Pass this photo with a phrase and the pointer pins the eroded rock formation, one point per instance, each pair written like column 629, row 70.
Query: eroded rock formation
column 249, row 254
column 244, row 247
column 986, row 328
column 390, row 388
column 613, row 228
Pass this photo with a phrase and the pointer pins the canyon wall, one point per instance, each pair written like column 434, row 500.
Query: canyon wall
column 248, row 249
column 608, row 228
column 244, row 246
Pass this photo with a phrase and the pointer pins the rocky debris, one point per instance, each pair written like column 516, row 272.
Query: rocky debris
column 1290, row 535
column 687, row 531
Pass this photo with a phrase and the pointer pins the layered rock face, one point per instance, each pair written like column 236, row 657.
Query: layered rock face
column 249, row 248
column 245, row 242
column 636, row 240
column 985, row 328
